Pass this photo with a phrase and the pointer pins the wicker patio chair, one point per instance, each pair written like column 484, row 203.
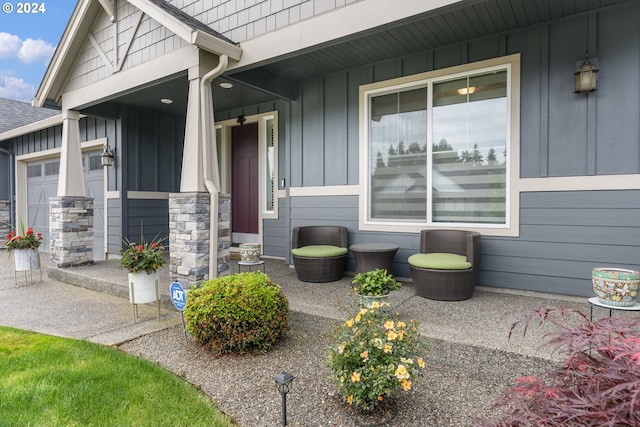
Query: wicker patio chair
column 445, row 274
column 319, row 252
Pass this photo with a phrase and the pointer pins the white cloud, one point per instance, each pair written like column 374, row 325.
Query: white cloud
column 9, row 45
column 27, row 51
column 35, row 50
column 15, row 88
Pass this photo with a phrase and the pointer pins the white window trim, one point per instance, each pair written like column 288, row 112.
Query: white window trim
column 512, row 226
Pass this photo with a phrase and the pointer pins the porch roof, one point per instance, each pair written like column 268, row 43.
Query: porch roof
column 184, row 26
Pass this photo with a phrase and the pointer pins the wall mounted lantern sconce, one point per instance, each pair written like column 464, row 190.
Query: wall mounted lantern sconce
column 241, row 119
column 106, row 158
column 283, row 385
column 586, row 76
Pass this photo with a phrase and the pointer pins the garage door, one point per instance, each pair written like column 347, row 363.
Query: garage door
column 42, row 183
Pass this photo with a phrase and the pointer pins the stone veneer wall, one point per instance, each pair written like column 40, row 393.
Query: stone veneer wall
column 70, row 231
column 5, row 221
column 189, row 234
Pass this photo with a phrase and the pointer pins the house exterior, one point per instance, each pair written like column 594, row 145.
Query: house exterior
column 452, row 114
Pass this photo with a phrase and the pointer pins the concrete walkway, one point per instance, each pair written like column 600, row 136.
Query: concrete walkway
column 91, row 303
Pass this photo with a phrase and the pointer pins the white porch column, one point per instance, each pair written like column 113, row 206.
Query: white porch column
column 71, row 180
column 192, row 162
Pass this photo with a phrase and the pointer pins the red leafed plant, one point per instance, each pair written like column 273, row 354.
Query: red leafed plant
column 597, row 383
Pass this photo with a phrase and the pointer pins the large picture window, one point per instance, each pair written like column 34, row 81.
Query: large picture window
column 438, row 150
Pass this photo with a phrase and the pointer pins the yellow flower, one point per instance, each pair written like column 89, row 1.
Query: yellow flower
column 372, row 369
column 377, row 343
column 388, row 324
column 349, row 323
column 401, row 372
column 375, row 304
column 406, row 385
column 405, row 360
column 380, row 398
column 365, row 355
column 358, row 317
column 387, row 348
column 420, row 362
column 401, row 324
column 350, row 399
column 355, row 377
column 391, row 335
column 340, row 349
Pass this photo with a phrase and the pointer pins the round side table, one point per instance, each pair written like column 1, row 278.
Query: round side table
column 370, row 256
column 251, row 266
column 594, row 302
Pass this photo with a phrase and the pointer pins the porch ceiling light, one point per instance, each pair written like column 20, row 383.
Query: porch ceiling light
column 106, row 158
column 586, row 76
column 466, row 90
column 166, row 101
column 226, row 85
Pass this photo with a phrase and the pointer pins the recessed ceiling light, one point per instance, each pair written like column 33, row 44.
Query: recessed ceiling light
column 226, row 85
column 166, row 101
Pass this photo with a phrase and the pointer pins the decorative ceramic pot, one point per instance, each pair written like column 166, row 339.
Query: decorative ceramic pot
column 250, row 253
column 616, row 286
column 367, row 300
column 26, row 259
column 142, row 287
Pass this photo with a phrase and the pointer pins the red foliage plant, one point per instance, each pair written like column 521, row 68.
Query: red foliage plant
column 596, row 384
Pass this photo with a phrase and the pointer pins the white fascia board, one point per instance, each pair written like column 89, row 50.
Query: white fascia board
column 186, row 32
column 354, row 18
column 32, row 127
column 53, row 77
column 141, row 75
column 215, row 45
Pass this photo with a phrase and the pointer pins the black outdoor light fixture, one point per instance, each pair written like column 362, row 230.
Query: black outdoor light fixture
column 586, row 76
column 283, row 385
column 106, row 158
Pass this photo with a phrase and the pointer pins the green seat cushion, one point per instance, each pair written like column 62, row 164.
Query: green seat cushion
column 440, row 261
column 319, row 251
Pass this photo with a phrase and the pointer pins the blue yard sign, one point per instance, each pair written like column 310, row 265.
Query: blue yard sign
column 178, row 295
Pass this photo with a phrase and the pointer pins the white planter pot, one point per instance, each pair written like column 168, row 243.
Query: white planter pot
column 26, row 259
column 143, row 287
column 367, row 300
column 250, row 253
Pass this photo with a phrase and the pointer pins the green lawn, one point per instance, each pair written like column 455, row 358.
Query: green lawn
column 51, row 381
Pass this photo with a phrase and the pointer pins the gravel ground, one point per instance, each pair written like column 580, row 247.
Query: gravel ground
column 460, row 383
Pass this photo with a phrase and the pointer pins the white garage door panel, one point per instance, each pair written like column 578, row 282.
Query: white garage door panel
column 42, row 183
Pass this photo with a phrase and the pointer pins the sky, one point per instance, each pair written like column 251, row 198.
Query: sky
column 27, row 43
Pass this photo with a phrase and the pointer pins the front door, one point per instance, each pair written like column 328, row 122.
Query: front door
column 244, row 183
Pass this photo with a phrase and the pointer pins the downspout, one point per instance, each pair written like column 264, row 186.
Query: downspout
column 12, row 189
column 212, row 183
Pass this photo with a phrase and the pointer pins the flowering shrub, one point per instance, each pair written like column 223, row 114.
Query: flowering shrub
column 374, row 356
column 25, row 240
column 597, row 384
column 144, row 256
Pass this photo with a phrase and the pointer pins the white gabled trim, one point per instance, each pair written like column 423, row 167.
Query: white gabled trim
column 109, row 8
column 156, row 69
column 192, row 36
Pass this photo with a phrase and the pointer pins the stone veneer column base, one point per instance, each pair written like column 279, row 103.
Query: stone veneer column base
column 189, row 237
column 70, row 231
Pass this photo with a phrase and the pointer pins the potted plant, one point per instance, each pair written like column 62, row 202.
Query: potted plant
column 24, row 246
column 142, row 261
column 374, row 285
column 374, row 356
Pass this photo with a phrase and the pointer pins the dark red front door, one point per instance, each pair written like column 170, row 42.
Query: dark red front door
column 244, row 179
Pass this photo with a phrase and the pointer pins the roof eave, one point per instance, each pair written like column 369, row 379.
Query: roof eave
column 215, row 45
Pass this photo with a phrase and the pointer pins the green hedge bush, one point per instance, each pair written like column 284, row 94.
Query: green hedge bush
column 241, row 313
